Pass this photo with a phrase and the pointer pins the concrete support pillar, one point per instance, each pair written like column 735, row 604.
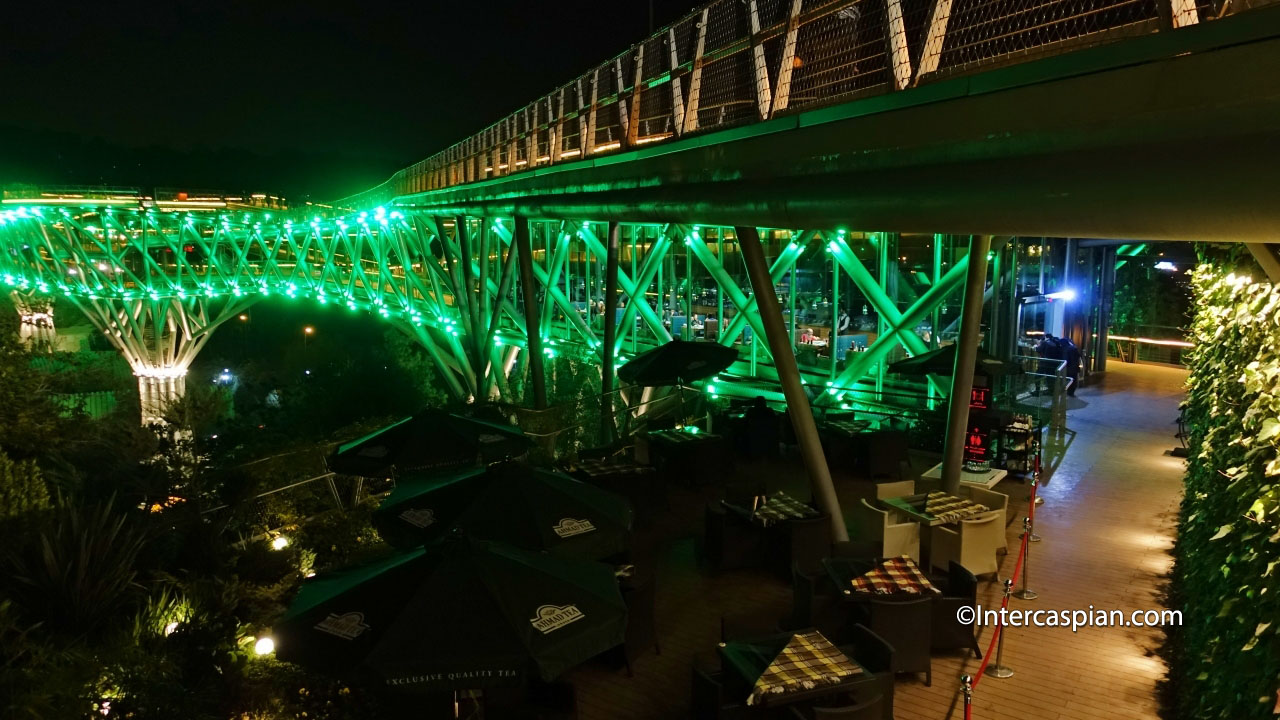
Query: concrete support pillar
column 966, row 358
column 1106, row 293
column 157, row 389
column 784, row 359
column 533, row 329
column 610, row 324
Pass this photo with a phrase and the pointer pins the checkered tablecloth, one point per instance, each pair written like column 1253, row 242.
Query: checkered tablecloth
column 894, row 576
column 782, row 507
column 601, row 467
column 847, row 428
column 808, row 661
column 949, row 508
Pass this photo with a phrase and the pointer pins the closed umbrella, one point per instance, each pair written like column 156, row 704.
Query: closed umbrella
column 511, row 502
column 430, row 441
column 460, row 614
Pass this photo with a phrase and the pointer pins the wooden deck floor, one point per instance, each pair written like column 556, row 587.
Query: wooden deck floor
column 1107, row 523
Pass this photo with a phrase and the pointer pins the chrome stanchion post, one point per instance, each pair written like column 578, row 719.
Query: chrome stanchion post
column 1035, row 471
column 1034, row 537
column 999, row 670
column 1024, row 593
column 966, row 682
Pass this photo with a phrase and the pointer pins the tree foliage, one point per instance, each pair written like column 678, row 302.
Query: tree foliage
column 1227, row 573
column 22, row 487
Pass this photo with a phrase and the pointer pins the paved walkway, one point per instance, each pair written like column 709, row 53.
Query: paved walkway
column 1107, row 523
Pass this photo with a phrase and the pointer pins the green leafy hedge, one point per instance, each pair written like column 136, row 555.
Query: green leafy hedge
column 1227, row 572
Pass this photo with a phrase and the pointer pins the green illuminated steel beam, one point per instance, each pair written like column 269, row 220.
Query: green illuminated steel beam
column 783, row 264
column 631, row 289
column 651, row 268
column 727, row 285
column 862, row 362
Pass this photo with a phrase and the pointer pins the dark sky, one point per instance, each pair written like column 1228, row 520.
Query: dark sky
column 292, row 97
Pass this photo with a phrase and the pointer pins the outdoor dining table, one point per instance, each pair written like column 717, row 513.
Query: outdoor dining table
column 931, row 510
column 843, row 428
column 640, row 484
column 789, row 667
column 858, row 580
column 935, row 508
column 696, row 456
column 841, row 438
column 779, row 508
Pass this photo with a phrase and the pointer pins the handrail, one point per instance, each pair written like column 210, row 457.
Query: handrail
column 736, row 62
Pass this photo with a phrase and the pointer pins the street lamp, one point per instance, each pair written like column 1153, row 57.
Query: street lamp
column 307, row 332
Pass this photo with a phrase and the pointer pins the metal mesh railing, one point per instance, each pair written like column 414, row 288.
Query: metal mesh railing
column 731, row 62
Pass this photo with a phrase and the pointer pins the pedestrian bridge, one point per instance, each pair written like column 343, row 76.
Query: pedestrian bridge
column 870, row 140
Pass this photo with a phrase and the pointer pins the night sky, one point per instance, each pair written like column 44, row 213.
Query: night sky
column 297, row 98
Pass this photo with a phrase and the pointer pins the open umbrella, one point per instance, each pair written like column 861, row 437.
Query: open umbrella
column 513, row 503
column 677, row 362
column 430, row 441
column 943, row 362
column 461, row 614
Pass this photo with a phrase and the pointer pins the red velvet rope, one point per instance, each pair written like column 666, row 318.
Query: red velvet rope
column 1004, row 603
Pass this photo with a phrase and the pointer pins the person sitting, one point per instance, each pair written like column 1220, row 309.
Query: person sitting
column 762, row 429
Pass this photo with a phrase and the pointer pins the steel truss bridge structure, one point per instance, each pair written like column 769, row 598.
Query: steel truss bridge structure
column 861, row 147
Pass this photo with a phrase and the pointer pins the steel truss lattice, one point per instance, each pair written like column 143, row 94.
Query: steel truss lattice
column 158, row 283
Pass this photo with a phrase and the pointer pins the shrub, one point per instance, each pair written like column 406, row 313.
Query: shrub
column 1227, row 572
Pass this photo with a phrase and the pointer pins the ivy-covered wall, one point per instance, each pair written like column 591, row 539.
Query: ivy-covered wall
column 1227, row 571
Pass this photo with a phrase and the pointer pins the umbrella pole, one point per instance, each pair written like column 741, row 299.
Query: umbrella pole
column 680, row 399
column 784, row 359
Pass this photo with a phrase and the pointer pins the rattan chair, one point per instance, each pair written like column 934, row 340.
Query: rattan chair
column 948, row 632
column 907, row 626
column 895, row 538
column 972, row 544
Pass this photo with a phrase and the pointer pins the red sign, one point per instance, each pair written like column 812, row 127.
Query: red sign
column 980, row 398
column 975, row 445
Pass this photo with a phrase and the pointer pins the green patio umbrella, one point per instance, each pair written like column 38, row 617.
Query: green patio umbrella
column 677, row 362
column 943, row 362
column 429, row 441
column 460, row 614
column 511, row 502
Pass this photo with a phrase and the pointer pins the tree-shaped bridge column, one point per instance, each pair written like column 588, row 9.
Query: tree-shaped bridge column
column 160, row 338
column 35, row 317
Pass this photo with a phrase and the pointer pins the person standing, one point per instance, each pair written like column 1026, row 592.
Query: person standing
column 1051, row 353
column 1071, row 354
